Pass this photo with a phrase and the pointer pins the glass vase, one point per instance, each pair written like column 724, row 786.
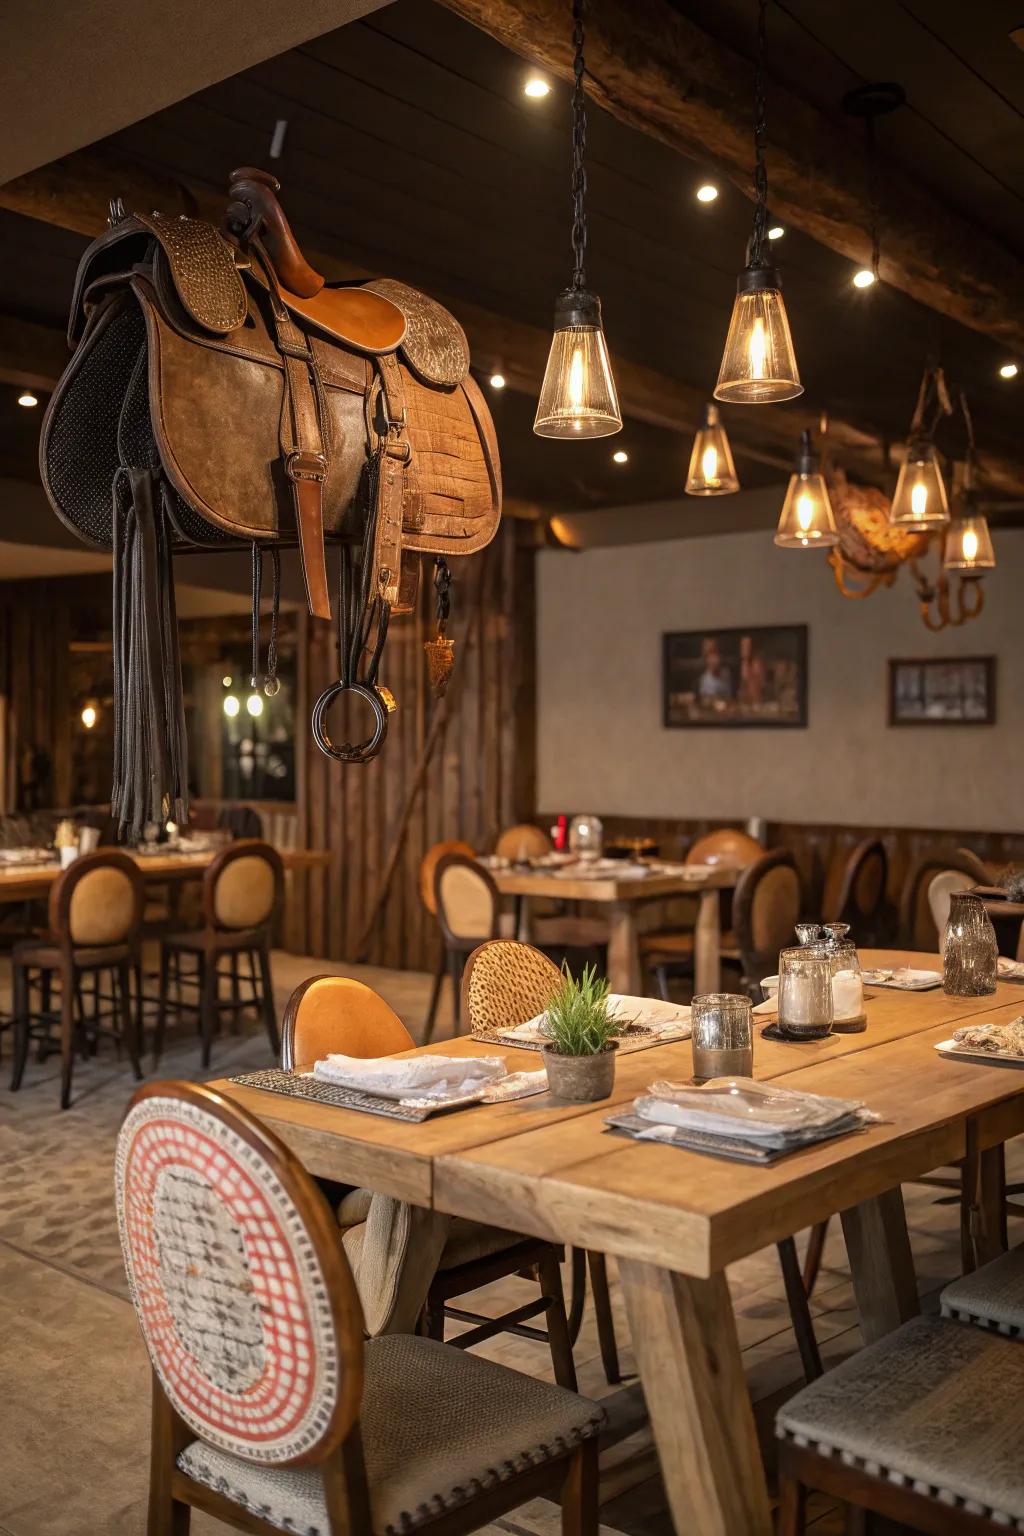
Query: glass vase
column 970, row 952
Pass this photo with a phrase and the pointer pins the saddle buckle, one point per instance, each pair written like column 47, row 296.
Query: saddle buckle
column 303, row 464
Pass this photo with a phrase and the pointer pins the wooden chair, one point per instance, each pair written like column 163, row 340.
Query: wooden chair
column 504, row 984
column 857, row 896
column 428, row 864
column 923, row 1427
column 522, row 842
column 95, row 919
column 270, row 1410
column 670, row 951
column 338, row 1014
column 917, row 925
column 242, row 893
column 766, row 908
column 468, row 908
column 940, row 896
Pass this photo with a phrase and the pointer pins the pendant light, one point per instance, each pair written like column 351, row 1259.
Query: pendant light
column 806, row 520
column 968, row 546
column 920, row 497
column 712, row 472
column 758, row 364
column 578, row 397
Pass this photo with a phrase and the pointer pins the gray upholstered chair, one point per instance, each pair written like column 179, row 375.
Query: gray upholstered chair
column 271, row 1411
column 923, row 1427
column 992, row 1297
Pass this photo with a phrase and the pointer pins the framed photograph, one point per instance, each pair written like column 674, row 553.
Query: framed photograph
column 959, row 690
column 735, row 677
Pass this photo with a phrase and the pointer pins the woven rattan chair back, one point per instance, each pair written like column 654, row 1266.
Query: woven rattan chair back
column 243, row 1293
column 505, row 983
column 725, row 845
column 337, row 1013
column 97, row 900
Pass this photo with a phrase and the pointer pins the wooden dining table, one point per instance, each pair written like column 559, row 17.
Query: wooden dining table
column 29, row 882
column 675, row 1219
column 620, row 898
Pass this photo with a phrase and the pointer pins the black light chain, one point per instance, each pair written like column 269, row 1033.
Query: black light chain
column 579, row 146
column 757, row 258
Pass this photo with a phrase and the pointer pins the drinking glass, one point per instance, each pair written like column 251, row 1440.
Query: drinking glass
column 586, row 836
column 849, row 1017
column 806, row 1010
column 723, row 1036
column 970, row 952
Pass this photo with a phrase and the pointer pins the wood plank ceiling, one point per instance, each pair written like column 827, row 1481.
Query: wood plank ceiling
column 411, row 149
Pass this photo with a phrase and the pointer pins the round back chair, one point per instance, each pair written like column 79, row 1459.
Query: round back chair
column 466, row 900
column 522, row 842
column 725, row 845
column 243, row 886
column 97, row 901
column 337, row 1013
column 917, row 925
column 940, row 895
column 766, row 908
column 244, row 1297
column 505, row 983
column 858, row 894
column 429, row 863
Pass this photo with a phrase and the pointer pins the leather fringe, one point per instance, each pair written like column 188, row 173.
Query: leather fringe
column 150, row 750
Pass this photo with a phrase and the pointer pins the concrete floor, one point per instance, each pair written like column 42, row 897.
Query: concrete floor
column 74, row 1378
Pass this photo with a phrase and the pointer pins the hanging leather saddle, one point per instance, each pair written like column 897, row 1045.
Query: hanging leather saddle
column 221, row 395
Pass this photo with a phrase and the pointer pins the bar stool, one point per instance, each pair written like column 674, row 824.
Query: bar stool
column 242, row 893
column 95, row 916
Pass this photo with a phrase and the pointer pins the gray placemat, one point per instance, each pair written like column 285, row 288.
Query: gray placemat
column 296, row 1085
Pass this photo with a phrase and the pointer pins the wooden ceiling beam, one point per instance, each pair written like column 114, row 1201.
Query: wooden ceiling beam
column 73, row 193
column 651, row 67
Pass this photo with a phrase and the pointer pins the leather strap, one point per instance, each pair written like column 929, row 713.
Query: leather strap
column 304, row 447
column 396, row 453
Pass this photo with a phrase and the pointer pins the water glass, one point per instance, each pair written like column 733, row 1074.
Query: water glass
column 723, row 1036
column 806, row 1010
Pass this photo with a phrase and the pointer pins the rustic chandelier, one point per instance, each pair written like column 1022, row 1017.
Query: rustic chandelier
column 578, row 396
column 711, row 472
column 758, row 364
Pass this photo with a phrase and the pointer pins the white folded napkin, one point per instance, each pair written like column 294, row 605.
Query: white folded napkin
column 425, row 1077
column 668, row 1020
column 742, row 1107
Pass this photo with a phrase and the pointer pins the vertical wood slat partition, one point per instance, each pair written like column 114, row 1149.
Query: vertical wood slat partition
column 35, row 632
column 479, row 778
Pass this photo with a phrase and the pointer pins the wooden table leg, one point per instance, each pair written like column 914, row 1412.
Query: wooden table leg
column 623, row 955
column 707, row 959
column 687, row 1349
column 881, row 1264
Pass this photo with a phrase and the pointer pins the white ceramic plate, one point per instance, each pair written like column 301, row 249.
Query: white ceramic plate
column 992, row 1058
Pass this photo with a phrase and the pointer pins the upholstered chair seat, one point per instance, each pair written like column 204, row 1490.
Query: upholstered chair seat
column 992, row 1297
column 439, row 1428
column 936, row 1408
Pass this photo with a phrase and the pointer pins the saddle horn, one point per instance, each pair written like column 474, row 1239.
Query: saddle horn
column 255, row 213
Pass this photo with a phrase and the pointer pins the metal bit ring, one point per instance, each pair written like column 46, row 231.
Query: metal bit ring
column 349, row 753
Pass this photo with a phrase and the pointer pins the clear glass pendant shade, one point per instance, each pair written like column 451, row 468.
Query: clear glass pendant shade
column 758, row 364
column 711, row 472
column 578, row 396
column 969, row 545
column 920, row 499
column 806, row 520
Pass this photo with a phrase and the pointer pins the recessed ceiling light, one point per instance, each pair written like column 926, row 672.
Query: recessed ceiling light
column 776, row 232
column 497, row 381
column 707, row 193
column 536, row 86
column 27, row 398
column 864, row 278
column 620, row 456
column 1008, row 371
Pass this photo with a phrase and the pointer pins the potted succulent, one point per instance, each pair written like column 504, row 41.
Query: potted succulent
column 580, row 1060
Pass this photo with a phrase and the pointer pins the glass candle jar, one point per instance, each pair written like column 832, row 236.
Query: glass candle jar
column 586, row 836
column 848, row 1016
column 969, row 953
column 805, row 992
column 723, row 1036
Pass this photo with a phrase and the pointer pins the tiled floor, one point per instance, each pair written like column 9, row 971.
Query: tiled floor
column 73, row 1372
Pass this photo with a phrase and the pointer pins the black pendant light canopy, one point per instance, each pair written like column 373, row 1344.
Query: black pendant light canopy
column 578, row 396
column 758, row 364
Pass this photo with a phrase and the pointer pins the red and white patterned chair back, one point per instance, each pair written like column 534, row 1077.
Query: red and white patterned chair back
column 244, row 1296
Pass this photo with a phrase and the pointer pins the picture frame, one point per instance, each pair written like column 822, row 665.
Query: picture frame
column 942, row 690
column 754, row 677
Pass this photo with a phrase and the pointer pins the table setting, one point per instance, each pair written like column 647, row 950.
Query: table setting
column 640, row 1023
